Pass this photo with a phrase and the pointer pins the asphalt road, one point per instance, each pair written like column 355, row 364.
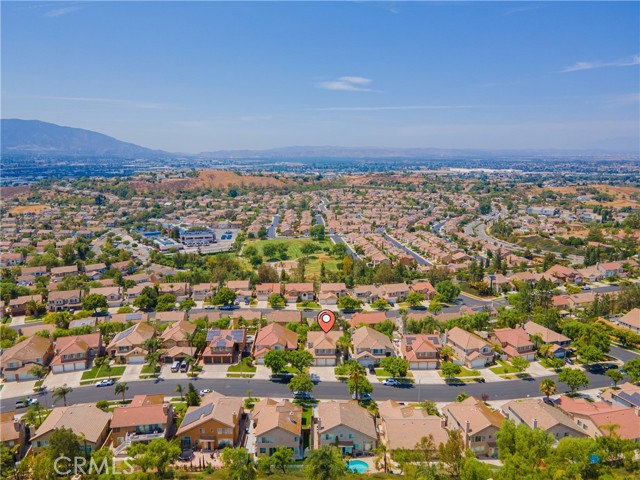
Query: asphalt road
column 324, row 390
column 271, row 231
column 418, row 258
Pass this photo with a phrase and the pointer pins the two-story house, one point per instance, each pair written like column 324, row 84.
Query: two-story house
column 559, row 342
column 469, row 349
column 212, row 425
column 425, row 288
column 20, row 305
column 75, row 352
column 537, row 414
column 630, row 320
column 421, row 351
column 294, row 292
column 404, row 426
column 127, row 346
column 367, row 293
column 202, row 291
column 224, row 346
column 394, row 292
column 13, row 434
column 114, row 295
column 277, row 424
column 179, row 289
column 265, row 290
column 242, row 289
column 370, row 346
column 514, row 343
column 65, row 300
column 330, row 293
column 58, row 273
column 323, row 347
column 273, row 337
column 16, row 361
column 146, row 418
column 478, row 424
column 345, row 424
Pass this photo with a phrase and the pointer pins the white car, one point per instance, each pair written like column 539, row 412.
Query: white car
column 105, row 383
column 209, row 307
column 391, row 382
column 204, row 391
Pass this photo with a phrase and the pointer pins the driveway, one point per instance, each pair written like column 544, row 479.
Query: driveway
column 131, row 373
column 72, row 379
column 326, row 374
column 17, row 389
column 213, row 371
column 425, row 377
column 262, row 373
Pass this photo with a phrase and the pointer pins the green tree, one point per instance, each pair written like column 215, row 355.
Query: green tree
column 192, row 397
column 414, row 298
column 429, row 406
column 632, row 367
column 520, row 363
column 62, row 392
column 38, row 371
column 277, row 301
column 474, row 469
column 239, row 464
column 396, row 366
column 615, row 376
column 94, row 301
column 282, row 457
column 447, row 291
column 159, row 453
column 574, row 378
column 450, row 453
column 276, row 360
column 300, row 359
column 225, row 296
column 450, row 369
column 435, row 305
column 325, row 463
column 301, row 383
column 590, row 354
column 380, row 304
column 121, row 389
column 180, row 389
column 357, row 383
column 187, row 304
column 166, row 302
column 317, row 232
column 348, row 303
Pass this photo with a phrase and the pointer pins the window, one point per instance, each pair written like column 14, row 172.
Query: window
column 477, row 438
column 202, row 430
column 224, row 431
column 263, row 450
column 351, row 435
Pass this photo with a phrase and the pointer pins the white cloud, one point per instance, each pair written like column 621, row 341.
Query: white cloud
column 625, row 62
column 347, row 84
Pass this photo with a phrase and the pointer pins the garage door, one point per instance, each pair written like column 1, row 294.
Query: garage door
column 136, row 360
column 69, row 367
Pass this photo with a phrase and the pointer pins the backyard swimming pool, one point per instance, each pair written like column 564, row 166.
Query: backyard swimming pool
column 357, row 466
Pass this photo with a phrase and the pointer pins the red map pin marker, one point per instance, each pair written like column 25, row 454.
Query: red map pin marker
column 326, row 319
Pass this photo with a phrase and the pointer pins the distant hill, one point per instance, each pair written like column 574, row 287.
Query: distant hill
column 34, row 136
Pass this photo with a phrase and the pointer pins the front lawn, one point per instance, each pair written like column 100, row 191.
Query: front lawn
column 306, row 417
column 308, row 304
column 242, row 369
column 464, row 372
column 101, row 372
column 503, row 368
column 382, row 373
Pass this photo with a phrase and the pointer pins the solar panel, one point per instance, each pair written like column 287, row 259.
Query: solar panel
column 203, row 411
column 211, row 334
column 237, row 335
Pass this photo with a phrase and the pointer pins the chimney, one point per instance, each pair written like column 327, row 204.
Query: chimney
column 446, row 333
column 467, row 428
column 535, row 423
column 637, row 409
column 443, row 422
column 235, row 417
column 292, row 417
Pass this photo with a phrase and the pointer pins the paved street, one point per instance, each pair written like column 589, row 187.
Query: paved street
column 420, row 260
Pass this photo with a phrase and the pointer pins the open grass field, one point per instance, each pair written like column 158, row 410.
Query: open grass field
column 623, row 196
column 35, row 209
column 535, row 241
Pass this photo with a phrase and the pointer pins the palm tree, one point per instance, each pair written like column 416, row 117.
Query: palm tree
column 446, row 353
column 356, row 376
column 381, row 457
column 33, row 415
column 121, row 388
column 38, row 371
column 180, row 390
column 548, row 387
column 545, row 349
column 62, row 392
column 537, row 340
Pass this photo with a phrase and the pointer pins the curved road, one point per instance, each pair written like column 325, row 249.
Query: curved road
column 510, row 389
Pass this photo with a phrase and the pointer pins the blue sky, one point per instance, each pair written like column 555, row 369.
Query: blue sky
column 204, row 76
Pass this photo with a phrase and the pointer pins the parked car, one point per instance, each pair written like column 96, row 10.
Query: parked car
column 209, row 307
column 27, row 402
column 456, row 383
column 391, row 382
column 186, row 455
column 302, row 396
column 105, row 383
column 584, row 288
column 204, row 391
column 226, row 307
column 372, row 370
column 568, row 360
column 363, row 397
column 314, row 378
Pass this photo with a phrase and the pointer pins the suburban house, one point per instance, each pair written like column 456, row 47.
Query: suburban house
column 87, row 421
column 242, row 289
column 514, row 343
column 179, row 289
column 469, row 349
column 594, row 417
column 425, row 288
column 10, row 259
column 175, row 342
column 19, row 305
column 394, row 292
column 127, row 346
column 13, row 433
column 627, row 395
column 330, row 292
column 631, row 320
column 560, row 342
column 478, row 424
column 171, row 316
column 611, row 269
column 367, row 293
column 215, row 424
column 591, row 274
column 224, row 346
column 16, row 361
column 421, row 351
column 277, row 424
column 403, row 426
column 560, row 274
column 370, row 346
column 83, row 322
column 65, row 300
column 265, row 290
column 76, row 352
column 345, row 424
column 537, row 414
column 497, row 282
column 294, row 292
column 202, row 291
column 58, row 273
column 273, row 337
column 369, row 318
column 114, row 295
column 135, row 291
column 283, row 316
column 146, row 418
column 95, row 271
column 135, row 317
column 323, row 347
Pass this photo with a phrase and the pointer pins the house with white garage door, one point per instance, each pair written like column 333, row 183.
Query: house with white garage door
column 127, row 346
column 75, row 352
column 371, row 346
column 323, row 347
